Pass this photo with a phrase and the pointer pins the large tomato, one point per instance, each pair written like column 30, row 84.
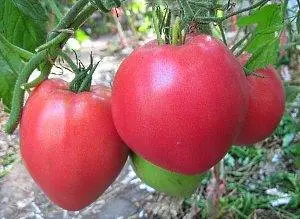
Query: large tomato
column 69, row 143
column 180, row 107
column 266, row 106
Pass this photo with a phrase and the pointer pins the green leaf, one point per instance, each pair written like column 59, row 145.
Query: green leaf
column 31, row 8
column 18, row 27
column 10, row 65
column 22, row 23
column 264, row 43
column 7, row 82
column 291, row 92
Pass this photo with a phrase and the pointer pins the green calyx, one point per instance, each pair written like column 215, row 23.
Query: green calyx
column 83, row 76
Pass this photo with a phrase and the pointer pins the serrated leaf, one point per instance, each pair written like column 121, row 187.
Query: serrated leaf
column 269, row 15
column 32, row 8
column 264, row 43
column 19, row 28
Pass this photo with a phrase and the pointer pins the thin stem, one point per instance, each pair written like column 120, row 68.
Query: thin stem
column 86, row 84
column 258, row 4
column 234, row 47
column 24, row 54
column 18, row 96
column 220, row 25
column 69, row 17
column 168, row 27
column 38, row 58
column 54, row 42
column 68, row 60
column 298, row 1
column 43, row 76
column 83, row 16
column 80, row 19
column 176, row 32
column 221, row 19
column 156, row 27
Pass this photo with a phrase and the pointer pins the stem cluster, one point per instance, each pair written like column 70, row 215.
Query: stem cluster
column 46, row 56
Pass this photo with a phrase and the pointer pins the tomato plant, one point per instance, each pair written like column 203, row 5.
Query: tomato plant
column 178, row 102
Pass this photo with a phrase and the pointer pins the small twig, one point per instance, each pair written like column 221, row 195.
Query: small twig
column 220, row 25
column 258, row 4
column 240, row 42
column 221, row 19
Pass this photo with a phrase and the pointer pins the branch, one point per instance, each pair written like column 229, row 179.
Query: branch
column 220, row 25
column 69, row 17
column 221, row 19
column 258, row 4
column 70, row 20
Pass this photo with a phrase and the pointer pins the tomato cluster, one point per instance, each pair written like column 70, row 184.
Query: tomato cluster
column 178, row 107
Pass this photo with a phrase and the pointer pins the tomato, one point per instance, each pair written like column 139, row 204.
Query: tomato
column 266, row 106
column 171, row 183
column 180, row 107
column 69, row 144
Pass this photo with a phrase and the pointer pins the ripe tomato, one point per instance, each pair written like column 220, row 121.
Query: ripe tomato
column 180, row 107
column 266, row 106
column 69, row 143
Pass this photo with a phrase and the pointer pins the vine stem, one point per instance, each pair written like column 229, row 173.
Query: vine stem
column 221, row 19
column 156, row 27
column 18, row 95
column 176, row 32
column 73, row 20
column 69, row 17
column 220, row 25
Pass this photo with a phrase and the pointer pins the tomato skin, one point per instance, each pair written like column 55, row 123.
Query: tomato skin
column 180, row 107
column 266, row 106
column 69, row 144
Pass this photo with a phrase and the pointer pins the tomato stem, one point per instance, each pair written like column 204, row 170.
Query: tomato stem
column 54, row 42
column 176, row 32
column 18, row 95
column 43, row 76
column 220, row 25
column 83, row 78
column 156, row 27
column 38, row 58
column 69, row 17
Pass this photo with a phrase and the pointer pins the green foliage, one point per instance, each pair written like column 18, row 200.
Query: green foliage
column 23, row 24
column 20, row 28
column 264, row 43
